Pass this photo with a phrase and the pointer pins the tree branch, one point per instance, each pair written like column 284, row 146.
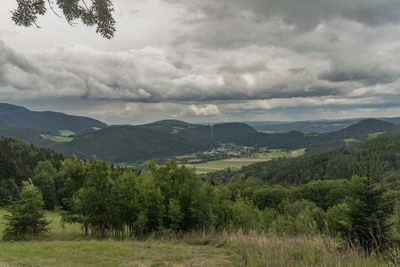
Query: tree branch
column 52, row 9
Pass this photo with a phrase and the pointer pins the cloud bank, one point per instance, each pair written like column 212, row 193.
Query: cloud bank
column 229, row 59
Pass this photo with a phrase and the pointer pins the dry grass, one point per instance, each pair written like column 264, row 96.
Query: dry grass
column 271, row 250
column 68, row 247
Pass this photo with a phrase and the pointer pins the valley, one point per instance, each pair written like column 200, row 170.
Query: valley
column 162, row 140
column 256, row 196
column 233, row 157
column 200, row 133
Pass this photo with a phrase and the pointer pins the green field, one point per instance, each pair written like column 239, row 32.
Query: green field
column 65, row 136
column 261, row 155
column 96, row 128
column 176, row 130
column 61, row 139
column 217, row 165
column 374, row 135
column 68, row 247
column 237, row 163
column 66, row 133
column 276, row 153
column 299, row 152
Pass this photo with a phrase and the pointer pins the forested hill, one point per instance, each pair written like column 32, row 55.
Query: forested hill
column 362, row 129
column 319, row 126
column 53, row 122
column 134, row 143
column 17, row 160
column 221, row 132
column 368, row 128
column 305, row 126
column 336, row 163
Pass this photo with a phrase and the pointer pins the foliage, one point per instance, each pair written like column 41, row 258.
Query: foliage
column 369, row 209
column 17, row 164
column 99, row 13
column 26, row 214
column 44, row 175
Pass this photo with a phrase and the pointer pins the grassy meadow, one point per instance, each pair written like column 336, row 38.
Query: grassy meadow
column 65, row 136
column 68, row 247
column 218, row 165
column 375, row 135
column 237, row 163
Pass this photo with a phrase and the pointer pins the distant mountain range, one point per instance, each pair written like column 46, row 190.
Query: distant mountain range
column 318, row 126
column 314, row 142
column 87, row 137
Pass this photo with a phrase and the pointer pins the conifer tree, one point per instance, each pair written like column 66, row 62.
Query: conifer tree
column 369, row 208
column 26, row 214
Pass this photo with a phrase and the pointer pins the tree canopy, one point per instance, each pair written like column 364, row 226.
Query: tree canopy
column 98, row 13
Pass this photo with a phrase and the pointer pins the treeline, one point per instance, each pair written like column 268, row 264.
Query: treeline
column 338, row 163
column 113, row 201
column 110, row 201
column 17, row 163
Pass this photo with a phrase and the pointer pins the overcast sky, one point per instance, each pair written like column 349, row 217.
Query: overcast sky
column 210, row 60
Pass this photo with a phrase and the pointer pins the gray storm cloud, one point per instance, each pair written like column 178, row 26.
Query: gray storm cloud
column 230, row 57
column 147, row 75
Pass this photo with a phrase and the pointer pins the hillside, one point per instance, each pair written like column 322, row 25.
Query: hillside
column 314, row 142
column 231, row 132
column 363, row 129
column 76, row 135
column 222, row 132
column 305, row 126
column 343, row 162
column 53, row 122
column 133, row 143
column 18, row 159
column 318, row 126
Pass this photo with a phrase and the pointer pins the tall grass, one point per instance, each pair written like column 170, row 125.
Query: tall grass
column 68, row 246
column 254, row 249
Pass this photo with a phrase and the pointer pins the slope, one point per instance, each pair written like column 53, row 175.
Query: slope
column 18, row 159
column 53, row 122
column 133, row 143
column 222, row 132
column 317, row 142
column 306, row 126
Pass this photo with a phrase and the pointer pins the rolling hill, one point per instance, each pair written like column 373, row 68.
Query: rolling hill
column 304, row 126
column 133, row 143
column 222, row 132
column 318, row 126
column 363, row 129
column 165, row 138
column 314, row 142
column 48, row 121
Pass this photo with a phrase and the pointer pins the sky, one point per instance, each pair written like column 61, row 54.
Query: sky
column 210, row 61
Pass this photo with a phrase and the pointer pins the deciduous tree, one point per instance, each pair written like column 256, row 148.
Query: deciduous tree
column 92, row 13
